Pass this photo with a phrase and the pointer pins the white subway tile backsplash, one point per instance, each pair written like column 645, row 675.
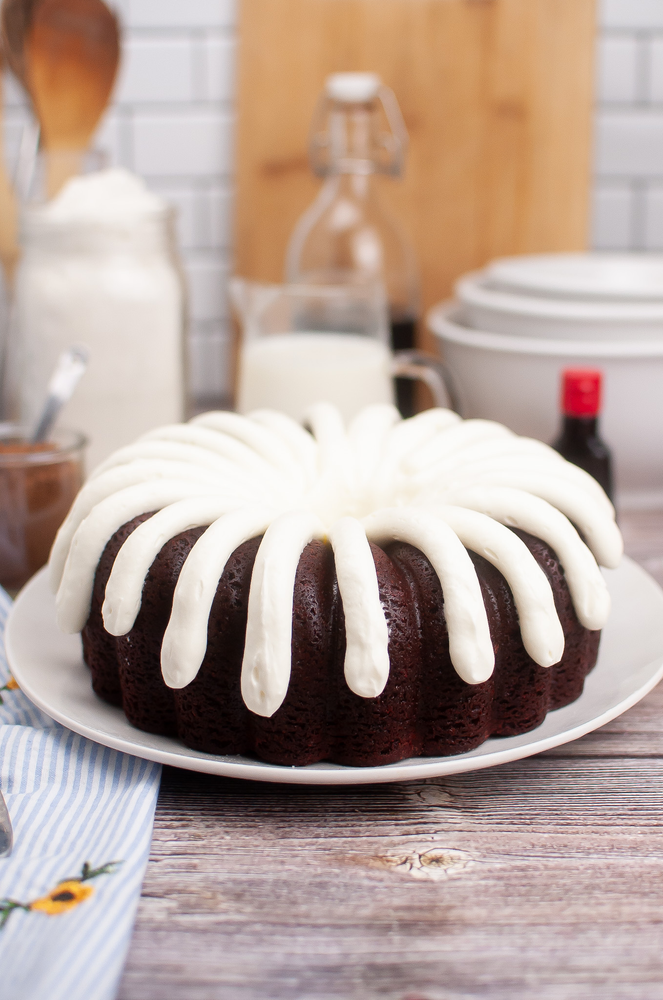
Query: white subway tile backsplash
column 216, row 223
column 192, row 143
column 180, row 13
column 113, row 138
column 631, row 14
column 617, row 69
column 185, row 202
column 612, row 216
column 156, row 70
column 629, row 143
column 656, row 70
column 653, row 218
column 220, row 69
column 15, row 120
column 210, row 361
column 207, row 278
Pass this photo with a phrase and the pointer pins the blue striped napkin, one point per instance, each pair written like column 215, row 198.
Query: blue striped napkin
column 82, row 816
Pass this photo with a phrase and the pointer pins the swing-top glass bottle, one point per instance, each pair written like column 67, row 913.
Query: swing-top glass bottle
column 346, row 235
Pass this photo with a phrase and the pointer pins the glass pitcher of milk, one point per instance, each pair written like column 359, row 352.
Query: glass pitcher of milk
column 303, row 344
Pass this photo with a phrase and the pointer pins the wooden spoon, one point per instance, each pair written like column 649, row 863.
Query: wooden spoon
column 8, row 214
column 71, row 56
column 16, row 19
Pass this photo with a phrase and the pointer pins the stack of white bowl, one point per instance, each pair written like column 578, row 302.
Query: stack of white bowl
column 518, row 323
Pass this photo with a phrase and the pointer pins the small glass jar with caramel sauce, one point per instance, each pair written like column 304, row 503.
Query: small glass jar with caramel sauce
column 38, row 484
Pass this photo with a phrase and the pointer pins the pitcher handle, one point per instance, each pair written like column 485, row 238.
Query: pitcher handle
column 430, row 370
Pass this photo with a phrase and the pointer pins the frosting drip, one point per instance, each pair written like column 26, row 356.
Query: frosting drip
column 185, row 639
column 366, row 665
column 434, row 481
column 266, row 662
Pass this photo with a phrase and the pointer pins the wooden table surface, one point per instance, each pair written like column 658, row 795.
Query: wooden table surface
column 537, row 879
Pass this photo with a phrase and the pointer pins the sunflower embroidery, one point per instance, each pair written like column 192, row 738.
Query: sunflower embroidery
column 65, row 896
column 11, row 685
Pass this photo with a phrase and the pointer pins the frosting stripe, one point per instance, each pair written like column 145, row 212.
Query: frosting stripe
column 514, row 465
column 267, row 650
column 366, row 632
column 517, row 509
column 93, row 534
column 483, row 453
column 185, row 638
column 597, row 527
column 470, row 645
column 170, row 451
column 262, row 439
column 132, row 563
column 404, row 439
column 334, row 489
column 540, row 628
column 114, row 480
column 367, row 438
column 409, row 435
column 236, row 451
column 298, row 440
column 459, row 436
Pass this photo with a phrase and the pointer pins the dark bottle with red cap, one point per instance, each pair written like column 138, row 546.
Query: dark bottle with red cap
column 579, row 441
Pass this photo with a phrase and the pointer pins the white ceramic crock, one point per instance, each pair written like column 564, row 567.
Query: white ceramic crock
column 515, row 380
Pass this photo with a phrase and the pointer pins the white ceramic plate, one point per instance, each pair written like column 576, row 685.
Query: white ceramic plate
column 49, row 668
column 615, row 276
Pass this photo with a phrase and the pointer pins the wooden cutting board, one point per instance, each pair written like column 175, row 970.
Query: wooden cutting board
column 497, row 98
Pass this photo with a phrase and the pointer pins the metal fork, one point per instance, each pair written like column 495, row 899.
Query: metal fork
column 6, row 832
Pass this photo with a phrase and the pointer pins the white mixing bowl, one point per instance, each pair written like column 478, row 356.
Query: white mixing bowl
column 625, row 277
column 516, row 381
column 553, row 318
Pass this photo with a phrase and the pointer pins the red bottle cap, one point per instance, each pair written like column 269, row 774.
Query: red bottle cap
column 581, row 392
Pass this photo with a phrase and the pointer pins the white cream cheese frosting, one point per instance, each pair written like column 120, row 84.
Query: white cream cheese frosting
column 434, row 481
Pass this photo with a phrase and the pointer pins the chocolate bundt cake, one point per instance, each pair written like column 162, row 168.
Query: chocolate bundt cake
column 401, row 588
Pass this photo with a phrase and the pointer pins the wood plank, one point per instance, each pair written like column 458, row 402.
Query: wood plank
column 316, row 893
column 497, row 96
column 643, row 535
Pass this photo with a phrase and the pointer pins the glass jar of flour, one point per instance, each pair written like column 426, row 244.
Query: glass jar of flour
column 98, row 269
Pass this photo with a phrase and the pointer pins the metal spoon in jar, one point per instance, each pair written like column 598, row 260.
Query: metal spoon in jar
column 68, row 371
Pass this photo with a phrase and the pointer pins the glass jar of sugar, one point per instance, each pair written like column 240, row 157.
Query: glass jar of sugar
column 98, row 269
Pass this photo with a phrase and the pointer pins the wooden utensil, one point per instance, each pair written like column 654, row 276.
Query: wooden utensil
column 8, row 214
column 497, row 97
column 16, row 19
column 69, row 62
